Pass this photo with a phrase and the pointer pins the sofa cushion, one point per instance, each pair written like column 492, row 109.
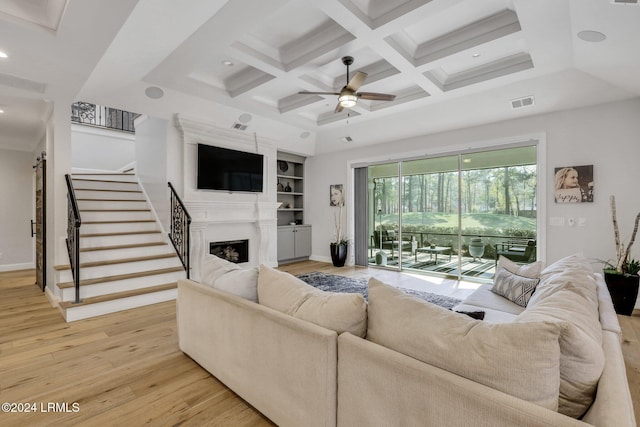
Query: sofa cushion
column 242, row 282
column 515, row 288
column 485, row 299
column 582, row 357
column 522, row 360
column 531, row 270
column 575, row 269
column 341, row 312
column 213, row 267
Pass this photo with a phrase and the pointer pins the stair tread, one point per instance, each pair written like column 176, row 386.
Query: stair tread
column 115, row 210
column 119, row 295
column 116, row 247
column 123, row 233
column 105, row 180
column 113, row 200
column 107, row 189
column 120, row 277
column 119, row 261
column 123, row 221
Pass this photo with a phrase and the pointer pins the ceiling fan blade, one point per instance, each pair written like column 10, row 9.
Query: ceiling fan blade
column 375, row 96
column 356, row 81
column 304, row 92
column 339, row 108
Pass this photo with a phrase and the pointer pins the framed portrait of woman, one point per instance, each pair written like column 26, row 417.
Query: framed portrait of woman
column 573, row 184
column 336, row 195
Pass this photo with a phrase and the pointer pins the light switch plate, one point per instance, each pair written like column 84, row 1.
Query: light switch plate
column 556, row 221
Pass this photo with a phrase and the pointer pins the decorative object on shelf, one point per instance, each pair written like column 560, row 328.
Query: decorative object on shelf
column 622, row 278
column 340, row 245
column 287, row 189
column 283, row 166
column 280, row 187
column 476, row 248
column 574, row 184
column 336, row 195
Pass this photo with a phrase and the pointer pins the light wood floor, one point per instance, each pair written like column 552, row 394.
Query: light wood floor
column 125, row 368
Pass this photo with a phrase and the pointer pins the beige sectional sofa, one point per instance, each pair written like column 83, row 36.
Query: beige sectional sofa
column 302, row 357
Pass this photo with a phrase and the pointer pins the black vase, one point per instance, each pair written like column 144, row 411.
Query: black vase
column 338, row 254
column 624, row 291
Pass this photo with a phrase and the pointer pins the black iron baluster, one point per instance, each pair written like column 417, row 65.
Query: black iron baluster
column 180, row 230
column 73, row 235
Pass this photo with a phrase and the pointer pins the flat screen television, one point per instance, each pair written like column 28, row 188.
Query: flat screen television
column 229, row 170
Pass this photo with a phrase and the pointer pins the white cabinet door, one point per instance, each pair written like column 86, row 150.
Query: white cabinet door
column 303, row 241
column 286, row 243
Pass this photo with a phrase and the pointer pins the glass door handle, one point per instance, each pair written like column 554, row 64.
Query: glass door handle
column 33, row 233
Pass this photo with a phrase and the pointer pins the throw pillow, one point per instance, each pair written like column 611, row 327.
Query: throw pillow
column 213, row 267
column 341, row 312
column 527, row 270
column 242, row 282
column 522, row 360
column 515, row 288
column 581, row 353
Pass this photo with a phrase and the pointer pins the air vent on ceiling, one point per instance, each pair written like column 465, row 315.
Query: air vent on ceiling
column 239, row 126
column 625, row 2
column 347, row 139
column 526, row 101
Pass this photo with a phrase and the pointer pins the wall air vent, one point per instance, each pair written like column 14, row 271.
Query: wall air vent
column 526, row 101
column 239, row 126
column 346, row 139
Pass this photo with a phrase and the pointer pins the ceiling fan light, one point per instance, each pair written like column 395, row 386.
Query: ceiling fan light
column 348, row 100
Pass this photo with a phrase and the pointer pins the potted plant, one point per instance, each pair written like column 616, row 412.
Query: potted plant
column 340, row 244
column 622, row 277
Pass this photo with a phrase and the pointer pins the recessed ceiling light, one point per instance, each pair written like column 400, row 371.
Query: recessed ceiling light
column 1, row 111
column 3, row 55
column 305, row 134
column 245, row 118
column 591, row 36
column 227, row 63
column 154, row 92
column 475, row 55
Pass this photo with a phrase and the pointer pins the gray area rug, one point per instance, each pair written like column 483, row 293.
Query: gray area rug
column 333, row 283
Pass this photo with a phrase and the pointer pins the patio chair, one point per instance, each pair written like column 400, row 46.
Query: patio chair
column 520, row 250
column 389, row 241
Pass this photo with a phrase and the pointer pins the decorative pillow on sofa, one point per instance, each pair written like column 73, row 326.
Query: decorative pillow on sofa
column 229, row 277
column 527, row 270
column 242, row 282
column 522, row 360
column 213, row 267
column 341, row 312
column 515, row 288
column 582, row 356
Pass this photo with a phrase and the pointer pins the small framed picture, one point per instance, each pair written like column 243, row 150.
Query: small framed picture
column 336, row 195
column 574, row 184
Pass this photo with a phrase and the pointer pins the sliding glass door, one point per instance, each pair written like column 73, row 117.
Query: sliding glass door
column 452, row 215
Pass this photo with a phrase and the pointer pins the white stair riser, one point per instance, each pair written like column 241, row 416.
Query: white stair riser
column 115, row 269
column 115, row 216
column 112, row 195
column 127, row 239
column 108, row 204
column 115, row 227
column 105, row 185
column 129, row 177
column 93, row 310
column 69, row 294
column 111, row 254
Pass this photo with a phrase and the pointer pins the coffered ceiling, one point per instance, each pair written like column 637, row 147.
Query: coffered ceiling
column 450, row 63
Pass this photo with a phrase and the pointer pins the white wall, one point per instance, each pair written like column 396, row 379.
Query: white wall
column 151, row 163
column 606, row 136
column 16, row 210
column 101, row 149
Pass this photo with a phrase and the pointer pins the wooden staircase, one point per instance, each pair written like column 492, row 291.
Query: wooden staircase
column 125, row 259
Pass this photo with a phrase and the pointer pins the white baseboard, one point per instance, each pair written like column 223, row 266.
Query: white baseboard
column 15, row 267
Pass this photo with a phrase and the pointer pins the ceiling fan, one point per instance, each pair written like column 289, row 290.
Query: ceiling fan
column 349, row 95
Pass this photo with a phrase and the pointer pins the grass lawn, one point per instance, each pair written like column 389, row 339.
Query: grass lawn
column 476, row 221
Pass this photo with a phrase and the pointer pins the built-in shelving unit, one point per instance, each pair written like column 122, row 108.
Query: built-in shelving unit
column 294, row 236
column 290, row 188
